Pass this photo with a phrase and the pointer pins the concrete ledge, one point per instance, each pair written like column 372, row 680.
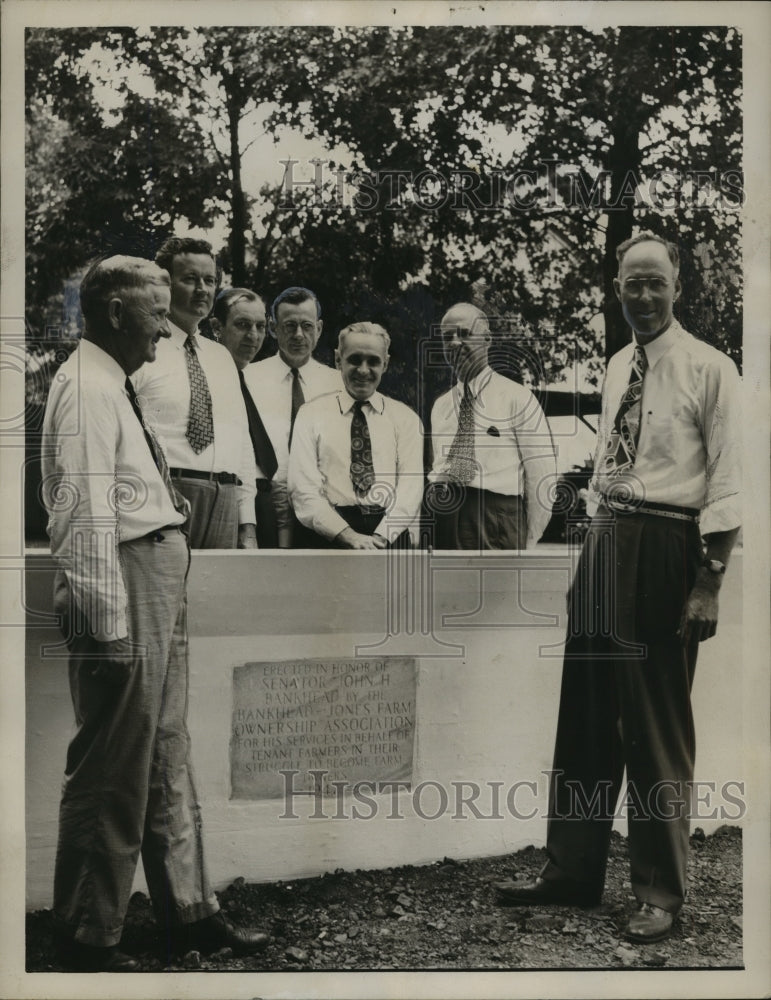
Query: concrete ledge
column 487, row 633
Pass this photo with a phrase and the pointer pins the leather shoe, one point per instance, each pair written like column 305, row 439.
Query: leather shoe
column 216, row 932
column 545, row 892
column 79, row 957
column 650, row 923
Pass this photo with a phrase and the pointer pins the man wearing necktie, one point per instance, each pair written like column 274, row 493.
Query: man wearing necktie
column 118, row 534
column 281, row 384
column 645, row 593
column 192, row 399
column 239, row 323
column 493, row 453
column 356, row 462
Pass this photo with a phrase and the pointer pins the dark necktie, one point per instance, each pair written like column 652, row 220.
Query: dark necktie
column 362, row 469
column 263, row 449
column 297, row 399
column 621, row 448
column 200, row 424
column 155, row 449
column 461, row 463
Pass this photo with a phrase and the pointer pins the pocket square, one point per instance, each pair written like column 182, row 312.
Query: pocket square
column 493, row 432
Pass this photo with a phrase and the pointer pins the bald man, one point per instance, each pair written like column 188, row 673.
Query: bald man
column 492, row 448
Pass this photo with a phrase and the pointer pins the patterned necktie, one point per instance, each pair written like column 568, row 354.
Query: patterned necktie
column 263, row 449
column 155, row 449
column 621, row 449
column 297, row 399
column 200, row 424
column 362, row 469
column 461, row 463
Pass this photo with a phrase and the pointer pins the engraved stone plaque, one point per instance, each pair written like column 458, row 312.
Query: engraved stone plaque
column 352, row 719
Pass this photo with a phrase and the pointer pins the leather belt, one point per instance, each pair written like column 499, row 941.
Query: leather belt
column 651, row 507
column 224, row 478
column 158, row 534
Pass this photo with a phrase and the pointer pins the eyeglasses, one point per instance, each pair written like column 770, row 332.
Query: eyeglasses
column 292, row 326
column 634, row 287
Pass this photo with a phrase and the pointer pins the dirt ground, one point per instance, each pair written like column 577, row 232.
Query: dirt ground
column 443, row 916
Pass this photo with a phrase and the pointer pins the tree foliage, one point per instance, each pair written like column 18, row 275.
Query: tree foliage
column 561, row 130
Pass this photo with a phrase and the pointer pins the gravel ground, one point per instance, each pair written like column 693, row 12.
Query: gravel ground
column 443, row 916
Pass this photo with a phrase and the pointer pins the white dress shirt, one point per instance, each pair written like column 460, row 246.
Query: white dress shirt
column 320, row 463
column 101, row 484
column 689, row 451
column 270, row 383
column 163, row 388
column 513, row 446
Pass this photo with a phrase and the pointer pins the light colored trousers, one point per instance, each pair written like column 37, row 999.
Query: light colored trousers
column 128, row 784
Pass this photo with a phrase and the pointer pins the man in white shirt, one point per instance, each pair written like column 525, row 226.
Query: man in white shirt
column 281, row 384
column 645, row 593
column 192, row 398
column 493, row 452
column 356, row 461
column 116, row 525
column 239, row 323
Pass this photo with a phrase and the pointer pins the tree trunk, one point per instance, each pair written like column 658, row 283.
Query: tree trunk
column 238, row 219
column 623, row 163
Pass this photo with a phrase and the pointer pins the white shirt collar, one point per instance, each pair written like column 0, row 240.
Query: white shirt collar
column 346, row 401
column 477, row 383
column 98, row 358
column 657, row 348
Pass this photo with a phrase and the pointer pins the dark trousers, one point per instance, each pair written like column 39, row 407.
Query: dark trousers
column 625, row 704
column 464, row 517
column 364, row 522
column 265, row 512
column 128, row 784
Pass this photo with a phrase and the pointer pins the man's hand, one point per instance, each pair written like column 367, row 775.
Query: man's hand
column 699, row 619
column 351, row 539
column 113, row 661
column 247, row 536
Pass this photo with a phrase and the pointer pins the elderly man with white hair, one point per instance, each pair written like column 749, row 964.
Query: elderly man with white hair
column 118, row 535
column 493, row 453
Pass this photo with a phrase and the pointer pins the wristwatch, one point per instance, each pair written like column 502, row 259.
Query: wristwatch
column 714, row 566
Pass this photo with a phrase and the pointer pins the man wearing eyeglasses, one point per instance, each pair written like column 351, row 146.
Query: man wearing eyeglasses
column 645, row 593
column 493, row 458
column 281, row 384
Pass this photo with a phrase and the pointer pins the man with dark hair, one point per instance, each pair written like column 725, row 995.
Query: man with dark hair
column 192, row 398
column 356, row 461
column 281, row 384
column 117, row 528
column 645, row 593
column 238, row 322
column 493, row 453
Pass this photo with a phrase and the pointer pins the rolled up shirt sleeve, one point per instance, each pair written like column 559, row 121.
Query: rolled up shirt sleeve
column 79, row 491
column 409, row 475
column 536, row 451
column 723, row 442
column 306, row 482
